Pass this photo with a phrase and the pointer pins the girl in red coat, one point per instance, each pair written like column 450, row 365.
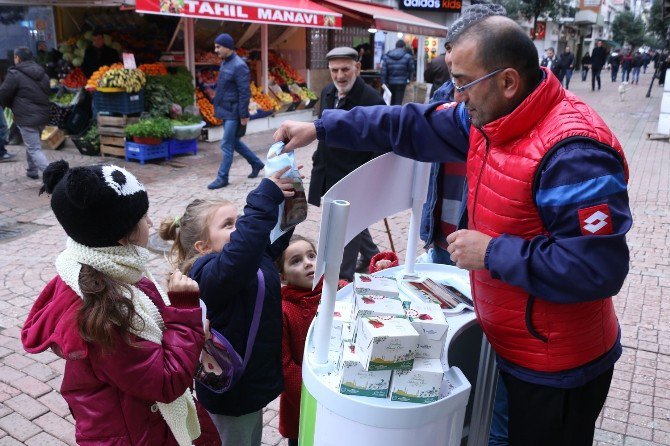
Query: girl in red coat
column 130, row 349
column 299, row 305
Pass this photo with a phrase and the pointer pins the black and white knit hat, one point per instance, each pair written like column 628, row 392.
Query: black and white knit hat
column 96, row 205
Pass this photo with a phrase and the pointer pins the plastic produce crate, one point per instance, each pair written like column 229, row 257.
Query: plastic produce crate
column 179, row 147
column 145, row 152
column 124, row 103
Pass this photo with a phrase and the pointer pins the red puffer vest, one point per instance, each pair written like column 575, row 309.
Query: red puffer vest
column 502, row 162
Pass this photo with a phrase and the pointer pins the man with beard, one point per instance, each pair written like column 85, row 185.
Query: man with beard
column 331, row 164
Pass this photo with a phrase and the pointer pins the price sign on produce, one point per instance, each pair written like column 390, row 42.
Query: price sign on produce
column 271, row 12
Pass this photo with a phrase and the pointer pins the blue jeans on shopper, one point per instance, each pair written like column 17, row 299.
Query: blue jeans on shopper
column 499, row 433
column 3, row 131
column 636, row 75
column 230, row 144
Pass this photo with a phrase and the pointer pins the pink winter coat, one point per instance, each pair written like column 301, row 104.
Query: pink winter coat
column 112, row 395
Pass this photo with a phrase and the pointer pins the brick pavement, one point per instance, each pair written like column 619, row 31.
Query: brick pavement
column 637, row 411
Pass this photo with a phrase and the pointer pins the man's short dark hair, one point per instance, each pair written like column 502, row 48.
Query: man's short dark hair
column 504, row 44
column 97, row 32
column 23, row 53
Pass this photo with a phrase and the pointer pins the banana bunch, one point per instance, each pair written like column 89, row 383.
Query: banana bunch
column 131, row 81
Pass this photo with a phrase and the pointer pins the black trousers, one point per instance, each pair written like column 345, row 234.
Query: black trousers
column 548, row 416
column 362, row 244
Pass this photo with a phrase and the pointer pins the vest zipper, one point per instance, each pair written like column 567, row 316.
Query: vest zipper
column 479, row 179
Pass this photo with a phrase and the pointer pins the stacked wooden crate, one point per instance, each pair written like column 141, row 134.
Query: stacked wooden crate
column 112, row 134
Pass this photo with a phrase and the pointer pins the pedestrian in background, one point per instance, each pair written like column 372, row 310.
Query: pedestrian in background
column 566, row 64
column 130, row 349
column 586, row 64
column 231, row 104
column 98, row 54
column 638, row 61
column 550, row 60
column 329, row 163
column 626, row 66
column 614, row 62
column 437, row 73
column 26, row 91
column 598, row 59
column 397, row 70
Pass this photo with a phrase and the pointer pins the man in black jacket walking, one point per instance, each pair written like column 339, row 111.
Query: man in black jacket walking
column 598, row 59
column 331, row 164
column 26, row 91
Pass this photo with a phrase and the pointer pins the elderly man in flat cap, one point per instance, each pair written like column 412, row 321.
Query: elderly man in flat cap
column 331, row 164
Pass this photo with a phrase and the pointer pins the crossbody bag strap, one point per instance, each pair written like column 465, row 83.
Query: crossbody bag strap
column 258, row 309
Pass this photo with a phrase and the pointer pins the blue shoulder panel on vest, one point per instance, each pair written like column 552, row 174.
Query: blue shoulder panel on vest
column 583, row 191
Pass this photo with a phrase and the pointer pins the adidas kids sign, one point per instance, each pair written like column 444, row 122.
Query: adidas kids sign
column 96, row 205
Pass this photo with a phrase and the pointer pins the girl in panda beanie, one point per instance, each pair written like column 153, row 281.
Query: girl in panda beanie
column 130, row 348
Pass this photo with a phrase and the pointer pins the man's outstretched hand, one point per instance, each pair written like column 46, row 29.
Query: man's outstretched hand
column 295, row 134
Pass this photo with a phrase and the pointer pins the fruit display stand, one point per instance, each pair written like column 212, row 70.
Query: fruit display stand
column 112, row 134
column 328, row 417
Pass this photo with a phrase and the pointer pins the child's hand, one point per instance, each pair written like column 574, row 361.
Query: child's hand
column 383, row 264
column 181, row 283
column 285, row 184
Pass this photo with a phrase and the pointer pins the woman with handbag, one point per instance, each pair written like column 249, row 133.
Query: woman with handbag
column 233, row 262
column 131, row 349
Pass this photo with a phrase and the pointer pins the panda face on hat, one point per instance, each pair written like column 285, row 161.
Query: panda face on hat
column 121, row 181
column 96, row 205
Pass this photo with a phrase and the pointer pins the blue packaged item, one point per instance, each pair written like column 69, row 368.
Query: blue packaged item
column 294, row 209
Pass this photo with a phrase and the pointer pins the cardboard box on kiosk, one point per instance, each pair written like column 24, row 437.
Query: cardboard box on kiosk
column 419, row 385
column 355, row 380
column 386, row 343
column 429, row 321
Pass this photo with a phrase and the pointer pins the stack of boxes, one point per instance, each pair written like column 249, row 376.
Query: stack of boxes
column 389, row 347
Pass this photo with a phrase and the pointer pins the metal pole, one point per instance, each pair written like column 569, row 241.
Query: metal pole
column 482, row 405
column 336, row 229
column 264, row 57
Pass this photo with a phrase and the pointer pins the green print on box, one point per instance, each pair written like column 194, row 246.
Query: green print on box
column 386, row 343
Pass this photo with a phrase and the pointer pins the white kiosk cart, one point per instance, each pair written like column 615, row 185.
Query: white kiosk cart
column 328, row 417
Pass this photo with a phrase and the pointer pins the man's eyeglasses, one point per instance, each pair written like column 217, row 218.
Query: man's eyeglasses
column 461, row 89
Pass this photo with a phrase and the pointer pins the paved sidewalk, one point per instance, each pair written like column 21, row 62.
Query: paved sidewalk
column 637, row 411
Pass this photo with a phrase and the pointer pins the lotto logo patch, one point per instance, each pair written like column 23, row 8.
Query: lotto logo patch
column 595, row 220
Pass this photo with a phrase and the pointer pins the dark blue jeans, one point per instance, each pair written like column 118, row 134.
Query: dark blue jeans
column 3, row 131
column 230, row 144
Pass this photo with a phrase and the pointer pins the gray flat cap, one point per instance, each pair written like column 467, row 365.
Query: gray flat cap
column 471, row 15
column 342, row 52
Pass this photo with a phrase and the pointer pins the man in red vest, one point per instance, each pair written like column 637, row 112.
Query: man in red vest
column 547, row 217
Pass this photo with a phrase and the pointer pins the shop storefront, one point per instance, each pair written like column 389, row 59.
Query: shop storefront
column 269, row 34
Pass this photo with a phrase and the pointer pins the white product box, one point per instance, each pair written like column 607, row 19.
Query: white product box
column 386, row 343
column 342, row 326
column 374, row 305
column 419, row 385
column 429, row 321
column 379, row 286
column 355, row 380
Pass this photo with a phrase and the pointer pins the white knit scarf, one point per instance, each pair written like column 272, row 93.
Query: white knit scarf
column 127, row 265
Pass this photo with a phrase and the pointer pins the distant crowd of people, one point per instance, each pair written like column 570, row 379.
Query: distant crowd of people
column 628, row 60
